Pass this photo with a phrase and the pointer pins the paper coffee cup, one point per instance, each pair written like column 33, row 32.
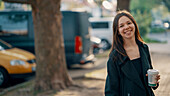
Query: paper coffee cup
column 152, row 73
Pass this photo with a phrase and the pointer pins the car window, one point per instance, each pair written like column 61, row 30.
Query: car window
column 96, row 25
column 13, row 24
column 4, row 45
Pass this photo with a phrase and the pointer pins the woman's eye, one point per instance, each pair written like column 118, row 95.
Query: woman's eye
column 129, row 23
column 121, row 26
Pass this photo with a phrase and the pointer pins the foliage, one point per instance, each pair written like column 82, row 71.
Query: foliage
column 167, row 3
column 141, row 10
column 161, row 12
column 143, row 5
column 148, row 40
column 144, row 21
column 0, row 3
column 157, row 30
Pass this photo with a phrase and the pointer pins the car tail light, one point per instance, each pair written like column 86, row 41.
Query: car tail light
column 78, row 45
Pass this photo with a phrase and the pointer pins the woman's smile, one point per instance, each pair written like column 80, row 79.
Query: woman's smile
column 128, row 31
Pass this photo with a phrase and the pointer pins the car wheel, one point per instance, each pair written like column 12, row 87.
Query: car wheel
column 4, row 77
column 105, row 44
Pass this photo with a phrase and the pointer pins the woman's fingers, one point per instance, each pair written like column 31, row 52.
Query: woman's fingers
column 158, row 77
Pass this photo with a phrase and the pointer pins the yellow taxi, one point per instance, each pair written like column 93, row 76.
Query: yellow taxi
column 15, row 62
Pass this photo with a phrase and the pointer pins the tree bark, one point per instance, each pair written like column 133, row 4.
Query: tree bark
column 51, row 66
column 123, row 5
column 51, row 72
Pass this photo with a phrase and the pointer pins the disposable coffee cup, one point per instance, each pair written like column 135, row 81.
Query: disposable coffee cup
column 152, row 73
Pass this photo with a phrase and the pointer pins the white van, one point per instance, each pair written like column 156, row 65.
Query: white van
column 102, row 28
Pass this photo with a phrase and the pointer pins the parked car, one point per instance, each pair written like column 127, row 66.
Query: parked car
column 102, row 28
column 17, row 29
column 15, row 63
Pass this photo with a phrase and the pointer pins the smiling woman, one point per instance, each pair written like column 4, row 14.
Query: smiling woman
column 129, row 60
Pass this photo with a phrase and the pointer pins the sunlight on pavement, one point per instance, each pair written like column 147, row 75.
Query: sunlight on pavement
column 97, row 74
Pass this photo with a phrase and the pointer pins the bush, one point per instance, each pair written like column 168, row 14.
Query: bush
column 143, row 20
column 157, row 30
column 149, row 40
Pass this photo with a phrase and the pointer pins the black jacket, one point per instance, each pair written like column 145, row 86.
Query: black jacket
column 123, row 78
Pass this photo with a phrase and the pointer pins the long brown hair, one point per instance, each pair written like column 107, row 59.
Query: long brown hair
column 117, row 39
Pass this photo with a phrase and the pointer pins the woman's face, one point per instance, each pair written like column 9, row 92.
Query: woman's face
column 126, row 28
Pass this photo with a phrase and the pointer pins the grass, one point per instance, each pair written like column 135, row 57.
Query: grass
column 148, row 40
column 158, row 30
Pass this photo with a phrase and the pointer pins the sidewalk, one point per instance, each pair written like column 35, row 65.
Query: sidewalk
column 161, row 61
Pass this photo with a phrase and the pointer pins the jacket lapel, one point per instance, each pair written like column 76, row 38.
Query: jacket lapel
column 145, row 63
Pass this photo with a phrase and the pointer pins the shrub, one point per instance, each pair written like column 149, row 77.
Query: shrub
column 157, row 30
column 143, row 20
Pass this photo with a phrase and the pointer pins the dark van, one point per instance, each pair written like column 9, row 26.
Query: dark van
column 16, row 28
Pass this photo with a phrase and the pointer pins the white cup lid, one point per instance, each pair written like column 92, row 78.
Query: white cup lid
column 153, row 71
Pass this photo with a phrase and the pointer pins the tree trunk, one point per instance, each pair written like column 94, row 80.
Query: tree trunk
column 51, row 70
column 123, row 5
column 49, row 46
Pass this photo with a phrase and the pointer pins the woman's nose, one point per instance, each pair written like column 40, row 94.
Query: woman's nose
column 126, row 26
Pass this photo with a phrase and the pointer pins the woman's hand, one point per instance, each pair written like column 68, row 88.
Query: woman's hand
column 157, row 79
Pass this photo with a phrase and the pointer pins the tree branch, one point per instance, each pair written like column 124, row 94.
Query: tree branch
column 20, row 1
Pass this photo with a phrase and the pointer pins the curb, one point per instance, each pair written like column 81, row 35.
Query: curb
column 14, row 87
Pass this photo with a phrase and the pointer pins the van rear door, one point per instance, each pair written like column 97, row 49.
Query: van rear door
column 76, row 37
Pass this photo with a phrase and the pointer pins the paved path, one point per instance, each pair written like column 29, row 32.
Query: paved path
column 161, row 61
